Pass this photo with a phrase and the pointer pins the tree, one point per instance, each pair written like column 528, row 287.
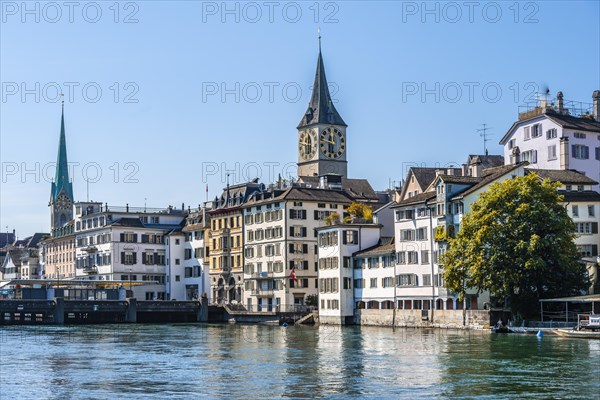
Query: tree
column 517, row 242
column 332, row 219
column 360, row 212
column 312, row 300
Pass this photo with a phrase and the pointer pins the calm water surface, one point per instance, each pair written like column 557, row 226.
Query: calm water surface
column 249, row 361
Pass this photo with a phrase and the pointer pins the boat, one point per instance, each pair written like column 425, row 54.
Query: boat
column 573, row 333
column 588, row 327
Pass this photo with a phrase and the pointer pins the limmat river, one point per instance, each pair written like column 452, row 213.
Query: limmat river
column 190, row 361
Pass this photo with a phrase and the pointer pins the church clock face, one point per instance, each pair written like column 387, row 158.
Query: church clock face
column 63, row 202
column 307, row 144
column 333, row 143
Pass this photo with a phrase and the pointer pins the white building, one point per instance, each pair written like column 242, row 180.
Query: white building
column 187, row 275
column 557, row 135
column 339, row 288
column 125, row 243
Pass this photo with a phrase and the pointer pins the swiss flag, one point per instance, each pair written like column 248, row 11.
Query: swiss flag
column 293, row 274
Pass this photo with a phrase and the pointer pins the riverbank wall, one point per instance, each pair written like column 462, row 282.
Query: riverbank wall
column 472, row 319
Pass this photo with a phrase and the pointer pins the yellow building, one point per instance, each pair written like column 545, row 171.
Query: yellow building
column 224, row 241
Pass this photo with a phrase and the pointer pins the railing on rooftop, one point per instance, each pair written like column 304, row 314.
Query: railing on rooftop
column 542, row 106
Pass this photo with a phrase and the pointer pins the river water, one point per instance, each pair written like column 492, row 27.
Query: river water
column 251, row 361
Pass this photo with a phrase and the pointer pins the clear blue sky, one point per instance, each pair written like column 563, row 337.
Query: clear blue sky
column 376, row 53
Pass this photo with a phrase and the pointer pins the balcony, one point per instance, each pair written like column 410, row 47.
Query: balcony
column 90, row 249
column 262, row 293
column 90, row 269
column 262, row 275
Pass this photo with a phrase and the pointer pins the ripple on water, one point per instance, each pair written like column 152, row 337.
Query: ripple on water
column 190, row 361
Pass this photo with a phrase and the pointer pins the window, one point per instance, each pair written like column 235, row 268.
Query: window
column 413, row 257
column 424, row 256
column 579, row 135
column 580, row 151
column 401, row 257
column 321, row 215
column 591, row 211
column 421, row 234
column 298, row 231
column 529, row 156
column 511, row 143
column 551, row 133
column 328, row 239
column 586, row 228
column 406, row 280
column 347, row 283
column 373, row 283
column 588, row 250
column 552, row 152
column 328, row 263
column 526, row 133
column 536, row 130
column 597, row 152
column 427, row 280
column 346, row 262
column 387, row 282
column 297, row 214
column 575, row 211
column 350, row 237
column 407, row 235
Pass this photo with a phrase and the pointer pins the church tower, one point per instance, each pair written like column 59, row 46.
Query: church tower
column 321, row 132
column 61, row 195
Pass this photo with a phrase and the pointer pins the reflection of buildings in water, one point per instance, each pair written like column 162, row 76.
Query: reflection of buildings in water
column 302, row 362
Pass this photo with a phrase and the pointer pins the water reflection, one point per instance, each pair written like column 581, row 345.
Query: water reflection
column 249, row 361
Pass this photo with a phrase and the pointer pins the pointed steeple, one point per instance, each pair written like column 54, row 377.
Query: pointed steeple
column 61, row 179
column 320, row 108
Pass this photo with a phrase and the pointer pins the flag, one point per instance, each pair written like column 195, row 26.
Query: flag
column 293, row 274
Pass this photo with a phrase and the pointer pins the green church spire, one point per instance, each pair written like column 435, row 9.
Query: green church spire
column 61, row 179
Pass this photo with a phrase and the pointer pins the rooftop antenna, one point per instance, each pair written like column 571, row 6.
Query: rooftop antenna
column 483, row 132
column 145, row 199
column 87, row 188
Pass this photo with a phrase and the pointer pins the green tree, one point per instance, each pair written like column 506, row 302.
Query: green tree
column 312, row 300
column 517, row 242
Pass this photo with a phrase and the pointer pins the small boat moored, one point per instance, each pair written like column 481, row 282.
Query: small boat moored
column 587, row 327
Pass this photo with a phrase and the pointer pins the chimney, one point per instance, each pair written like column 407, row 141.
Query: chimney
column 596, row 100
column 450, row 171
column 465, row 169
column 559, row 102
column 564, row 152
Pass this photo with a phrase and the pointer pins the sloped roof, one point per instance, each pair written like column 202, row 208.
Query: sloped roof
column 358, row 189
column 579, row 196
column 564, row 176
column 566, row 121
column 460, row 179
column 573, row 122
column 311, row 194
column 321, row 109
column 424, row 176
column 419, row 198
column 486, row 160
column 384, row 246
column 6, row 238
column 491, row 176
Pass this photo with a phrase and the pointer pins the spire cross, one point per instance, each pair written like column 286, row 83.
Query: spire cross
column 319, row 31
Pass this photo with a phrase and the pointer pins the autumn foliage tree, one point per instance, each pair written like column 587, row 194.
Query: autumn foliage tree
column 517, row 242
